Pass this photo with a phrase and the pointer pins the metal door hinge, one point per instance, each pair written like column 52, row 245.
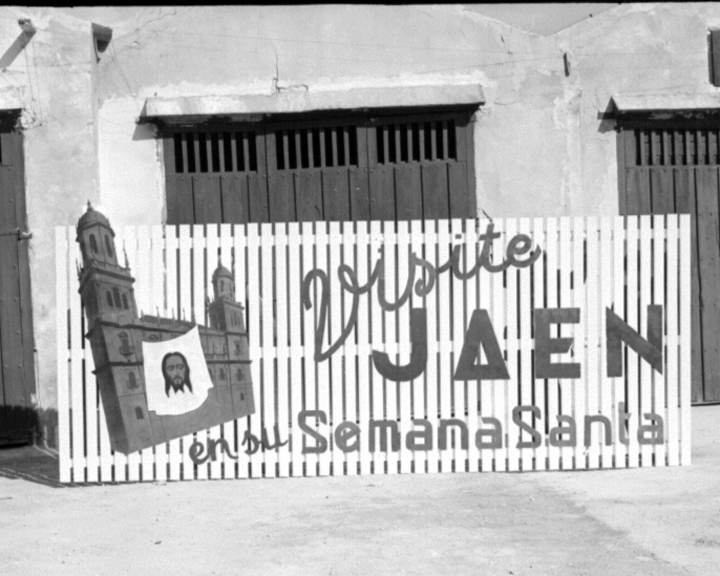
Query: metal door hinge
column 21, row 235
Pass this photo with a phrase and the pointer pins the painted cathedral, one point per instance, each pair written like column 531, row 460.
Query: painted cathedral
column 116, row 336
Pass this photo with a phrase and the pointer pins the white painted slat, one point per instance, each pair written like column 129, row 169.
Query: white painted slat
column 404, row 346
column 336, row 315
column 672, row 371
column 445, row 338
column 539, row 385
column 283, row 299
column 472, row 303
column 349, row 242
column 268, row 323
column 185, row 313
column 77, row 415
column 377, row 405
column 157, row 297
column 595, row 323
column 172, row 311
column 565, row 299
column 198, row 314
column 646, row 371
column 295, row 376
column 525, row 310
column 143, row 300
column 511, row 322
column 227, row 430
column 323, row 368
column 212, row 245
column 685, row 339
column 431, row 381
column 552, row 300
column 580, row 332
column 500, row 408
column 606, row 299
column 485, row 387
column 63, row 282
column 658, row 396
column 365, row 261
column 242, row 274
column 631, row 317
column 310, row 319
column 391, row 336
column 457, row 387
column 618, row 384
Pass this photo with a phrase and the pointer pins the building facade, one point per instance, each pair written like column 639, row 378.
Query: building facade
column 246, row 114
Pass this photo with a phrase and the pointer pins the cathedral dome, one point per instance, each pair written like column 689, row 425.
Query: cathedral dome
column 92, row 217
column 221, row 272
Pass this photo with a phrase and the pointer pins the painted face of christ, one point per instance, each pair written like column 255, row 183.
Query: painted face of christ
column 176, row 372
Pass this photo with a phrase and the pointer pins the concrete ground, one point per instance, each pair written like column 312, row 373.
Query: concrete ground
column 622, row 522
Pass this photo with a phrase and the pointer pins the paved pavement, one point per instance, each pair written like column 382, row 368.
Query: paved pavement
column 622, row 522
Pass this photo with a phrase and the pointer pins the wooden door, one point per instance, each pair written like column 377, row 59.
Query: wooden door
column 672, row 167
column 17, row 376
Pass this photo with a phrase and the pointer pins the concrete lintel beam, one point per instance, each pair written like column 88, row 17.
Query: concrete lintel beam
column 293, row 101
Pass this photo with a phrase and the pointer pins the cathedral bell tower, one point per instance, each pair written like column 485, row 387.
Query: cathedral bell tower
column 225, row 313
column 105, row 286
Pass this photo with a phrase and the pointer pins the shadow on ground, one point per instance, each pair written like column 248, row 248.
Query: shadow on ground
column 30, row 463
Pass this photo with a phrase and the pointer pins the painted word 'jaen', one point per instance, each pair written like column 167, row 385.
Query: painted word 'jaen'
column 384, row 435
column 480, row 334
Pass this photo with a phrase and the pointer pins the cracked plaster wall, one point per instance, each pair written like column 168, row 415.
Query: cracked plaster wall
column 53, row 77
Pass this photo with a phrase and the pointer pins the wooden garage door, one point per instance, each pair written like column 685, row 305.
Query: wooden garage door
column 359, row 166
column 672, row 167
column 17, row 377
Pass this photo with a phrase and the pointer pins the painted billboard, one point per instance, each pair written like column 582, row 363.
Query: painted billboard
column 379, row 347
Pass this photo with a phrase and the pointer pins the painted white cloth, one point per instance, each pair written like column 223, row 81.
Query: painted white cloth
column 182, row 360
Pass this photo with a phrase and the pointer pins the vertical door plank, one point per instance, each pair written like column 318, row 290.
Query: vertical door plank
column 336, row 194
column 408, row 192
column 359, row 180
column 309, row 194
column 709, row 267
column 235, row 198
column 436, row 203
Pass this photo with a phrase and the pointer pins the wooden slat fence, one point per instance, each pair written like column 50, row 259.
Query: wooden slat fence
column 310, row 414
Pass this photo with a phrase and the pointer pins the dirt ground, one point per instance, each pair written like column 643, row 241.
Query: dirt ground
column 621, row 522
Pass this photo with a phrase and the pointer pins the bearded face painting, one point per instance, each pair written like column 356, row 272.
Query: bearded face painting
column 176, row 372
